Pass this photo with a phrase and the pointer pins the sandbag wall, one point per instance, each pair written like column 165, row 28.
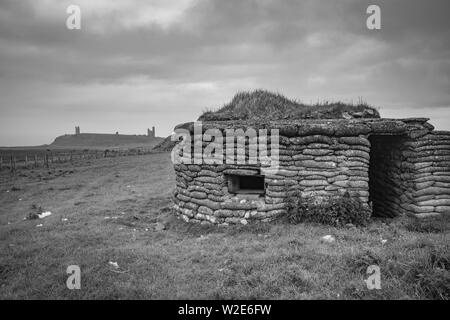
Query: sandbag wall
column 317, row 167
column 202, row 193
column 409, row 170
column 430, row 162
column 314, row 166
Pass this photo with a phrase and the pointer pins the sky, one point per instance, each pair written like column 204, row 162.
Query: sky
column 136, row 64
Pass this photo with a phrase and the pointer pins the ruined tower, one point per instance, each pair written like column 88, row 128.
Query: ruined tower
column 77, row 130
column 151, row 133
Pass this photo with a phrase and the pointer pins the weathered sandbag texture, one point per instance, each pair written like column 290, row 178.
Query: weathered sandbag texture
column 394, row 166
column 429, row 160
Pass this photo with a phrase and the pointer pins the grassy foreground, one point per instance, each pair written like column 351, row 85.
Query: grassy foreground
column 112, row 206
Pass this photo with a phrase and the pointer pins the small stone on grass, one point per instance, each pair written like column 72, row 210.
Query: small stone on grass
column 328, row 238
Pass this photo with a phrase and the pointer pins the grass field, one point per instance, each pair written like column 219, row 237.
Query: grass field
column 21, row 152
column 114, row 207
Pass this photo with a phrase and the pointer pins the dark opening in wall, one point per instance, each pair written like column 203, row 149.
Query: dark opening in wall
column 246, row 184
column 386, row 174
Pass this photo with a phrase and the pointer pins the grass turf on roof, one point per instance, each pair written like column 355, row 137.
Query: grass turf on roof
column 264, row 105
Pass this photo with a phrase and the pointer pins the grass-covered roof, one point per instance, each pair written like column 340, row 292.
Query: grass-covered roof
column 264, row 105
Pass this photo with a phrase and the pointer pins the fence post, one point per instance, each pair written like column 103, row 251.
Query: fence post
column 15, row 161
column 35, row 161
column 1, row 163
column 26, row 161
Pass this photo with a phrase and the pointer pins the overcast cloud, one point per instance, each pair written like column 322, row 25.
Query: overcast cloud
column 134, row 65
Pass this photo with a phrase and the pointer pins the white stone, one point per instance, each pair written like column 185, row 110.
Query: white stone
column 328, row 238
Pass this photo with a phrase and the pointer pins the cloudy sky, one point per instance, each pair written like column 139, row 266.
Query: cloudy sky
column 136, row 64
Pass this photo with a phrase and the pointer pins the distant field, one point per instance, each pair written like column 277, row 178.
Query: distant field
column 112, row 206
column 30, row 156
column 85, row 142
column 21, row 152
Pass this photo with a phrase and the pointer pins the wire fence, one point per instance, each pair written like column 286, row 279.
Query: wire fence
column 31, row 160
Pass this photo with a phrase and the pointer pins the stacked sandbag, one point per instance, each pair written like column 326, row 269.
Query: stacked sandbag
column 202, row 196
column 430, row 160
column 317, row 167
column 396, row 166
column 316, row 161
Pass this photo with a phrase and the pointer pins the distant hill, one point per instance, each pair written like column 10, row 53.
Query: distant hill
column 101, row 140
column 264, row 105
